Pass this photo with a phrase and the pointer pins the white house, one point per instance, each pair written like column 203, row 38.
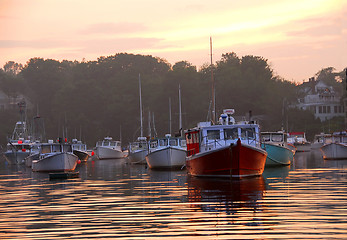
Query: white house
column 321, row 99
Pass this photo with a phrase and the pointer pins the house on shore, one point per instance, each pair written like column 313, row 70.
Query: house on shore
column 321, row 99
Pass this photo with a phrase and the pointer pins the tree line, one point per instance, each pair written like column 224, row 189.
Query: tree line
column 94, row 99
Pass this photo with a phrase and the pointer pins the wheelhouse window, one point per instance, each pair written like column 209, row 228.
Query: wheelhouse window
column 247, row 133
column 266, row 137
column 112, row 144
column 67, row 148
column 46, row 148
column 153, row 144
column 277, row 138
column 173, row 142
column 163, row 142
column 231, row 133
column 213, row 134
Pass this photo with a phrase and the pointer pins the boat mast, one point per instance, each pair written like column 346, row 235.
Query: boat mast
column 141, row 126
column 213, row 87
column 180, row 109
column 170, row 119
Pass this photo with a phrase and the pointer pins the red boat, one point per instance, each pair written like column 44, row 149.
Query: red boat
column 228, row 149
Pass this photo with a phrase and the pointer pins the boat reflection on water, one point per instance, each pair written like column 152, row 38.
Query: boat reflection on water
column 225, row 194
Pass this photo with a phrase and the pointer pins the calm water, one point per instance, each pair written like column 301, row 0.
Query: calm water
column 112, row 199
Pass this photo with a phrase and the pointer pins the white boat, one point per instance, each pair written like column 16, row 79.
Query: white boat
column 318, row 141
column 168, row 152
column 55, row 157
column 80, row 150
column 18, row 147
column 298, row 139
column 335, row 146
column 138, row 150
column 109, row 149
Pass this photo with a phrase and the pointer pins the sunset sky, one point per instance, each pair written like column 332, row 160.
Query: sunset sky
column 298, row 37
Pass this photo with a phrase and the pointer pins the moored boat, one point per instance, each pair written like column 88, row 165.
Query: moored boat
column 298, row 139
column 138, row 151
column 55, row 157
column 80, row 150
column 109, row 149
column 278, row 153
column 168, row 152
column 335, row 146
column 19, row 145
column 228, row 149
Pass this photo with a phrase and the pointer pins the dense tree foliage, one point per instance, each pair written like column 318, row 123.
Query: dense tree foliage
column 99, row 98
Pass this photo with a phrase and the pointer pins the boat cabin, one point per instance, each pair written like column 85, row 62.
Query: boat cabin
column 20, row 145
column 206, row 137
column 216, row 136
column 55, row 148
column 277, row 138
column 109, row 143
column 168, row 141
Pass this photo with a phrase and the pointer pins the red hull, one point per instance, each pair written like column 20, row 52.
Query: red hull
column 235, row 161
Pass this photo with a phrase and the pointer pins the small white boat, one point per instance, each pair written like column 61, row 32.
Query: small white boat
column 80, row 150
column 168, row 152
column 335, row 146
column 55, row 157
column 109, row 149
column 298, row 139
column 318, row 141
column 138, row 151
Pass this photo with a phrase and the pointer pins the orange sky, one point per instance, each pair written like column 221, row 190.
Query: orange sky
column 298, row 37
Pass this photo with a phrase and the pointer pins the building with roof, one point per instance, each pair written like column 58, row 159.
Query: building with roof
column 321, row 99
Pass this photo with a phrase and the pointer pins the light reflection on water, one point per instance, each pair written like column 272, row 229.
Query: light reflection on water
column 112, row 199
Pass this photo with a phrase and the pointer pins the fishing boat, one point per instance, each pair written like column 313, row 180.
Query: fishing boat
column 167, row 152
column 138, row 150
column 55, row 157
column 335, row 146
column 80, row 150
column 318, row 140
column 275, row 144
column 108, row 149
column 298, row 139
column 19, row 145
column 227, row 149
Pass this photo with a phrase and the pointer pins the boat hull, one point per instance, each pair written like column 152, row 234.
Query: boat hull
column 57, row 162
column 334, row 151
column 302, row 147
column 277, row 155
column 168, row 157
column 108, row 153
column 82, row 155
column 234, row 161
column 16, row 157
column 137, row 157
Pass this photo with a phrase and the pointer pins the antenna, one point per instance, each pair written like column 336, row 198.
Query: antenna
column 213, row 87
column 140, row 105
column 180, row 108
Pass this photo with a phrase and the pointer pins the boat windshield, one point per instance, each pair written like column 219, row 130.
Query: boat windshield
column 56, row 148
column 266, row 137
column 46, row 148
column 213, row 134
column 163, row 142
column 247, row 133
column 277, row 137
column 231, row 133
column 173, row 142
column 67, row 148
column 112, row 144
